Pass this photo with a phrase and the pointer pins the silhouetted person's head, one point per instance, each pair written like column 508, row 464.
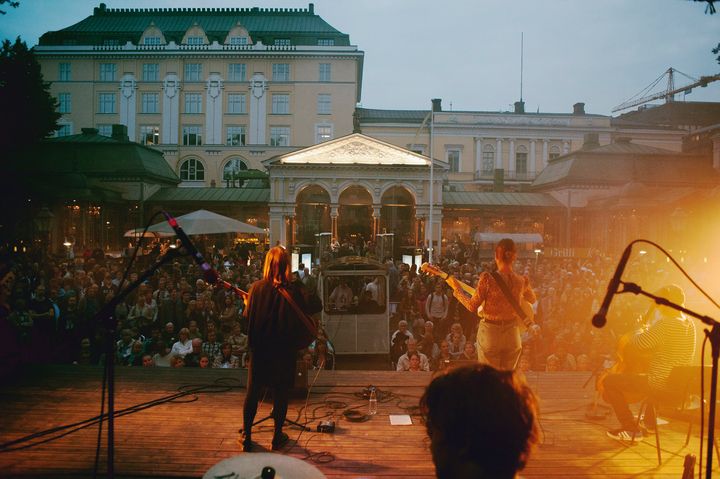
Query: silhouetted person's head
column 482, row 422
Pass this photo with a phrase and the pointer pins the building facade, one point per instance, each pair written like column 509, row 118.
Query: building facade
column 217, row 91
column 233, row 97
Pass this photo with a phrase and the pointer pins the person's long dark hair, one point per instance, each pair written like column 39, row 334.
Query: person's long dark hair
column 277, row 266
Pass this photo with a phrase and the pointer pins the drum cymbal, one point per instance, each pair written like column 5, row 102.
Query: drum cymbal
column 250, row 466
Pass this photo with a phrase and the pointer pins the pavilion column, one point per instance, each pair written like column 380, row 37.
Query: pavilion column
column 376, row 221
column 334, row 221
column 545, row 153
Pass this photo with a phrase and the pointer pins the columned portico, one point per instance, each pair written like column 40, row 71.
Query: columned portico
column 355, row 188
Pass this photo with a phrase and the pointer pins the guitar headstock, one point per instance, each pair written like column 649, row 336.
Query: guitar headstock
column 430, row 269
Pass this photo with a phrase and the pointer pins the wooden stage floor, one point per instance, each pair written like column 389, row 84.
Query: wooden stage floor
column 186, row 436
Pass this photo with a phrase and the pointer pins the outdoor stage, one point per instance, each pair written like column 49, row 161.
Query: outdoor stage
column 184, row 438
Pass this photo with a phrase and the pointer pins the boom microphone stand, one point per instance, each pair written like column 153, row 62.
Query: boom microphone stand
column 106, row 316
column 714, row 336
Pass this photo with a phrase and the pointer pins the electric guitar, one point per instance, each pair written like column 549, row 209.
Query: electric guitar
column 469, row 290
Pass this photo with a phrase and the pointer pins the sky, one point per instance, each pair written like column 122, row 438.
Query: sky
column 467, row 52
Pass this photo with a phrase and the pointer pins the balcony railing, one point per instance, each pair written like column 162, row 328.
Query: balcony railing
column 510, row 175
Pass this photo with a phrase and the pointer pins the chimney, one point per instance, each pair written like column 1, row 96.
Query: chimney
column 119, row 133
column 311, row 8
column 436, row 104
column 579, row 109
column 520, row 106
column 591, row 140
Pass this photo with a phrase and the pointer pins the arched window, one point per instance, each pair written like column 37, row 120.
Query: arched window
column 554, row 152
column 231, row 172
column 192, row 170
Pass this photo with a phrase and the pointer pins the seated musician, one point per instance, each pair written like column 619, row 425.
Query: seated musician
column 670, row 340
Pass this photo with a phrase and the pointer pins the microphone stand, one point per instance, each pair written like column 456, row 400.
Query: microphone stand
column 106, row 316
column 714, row 336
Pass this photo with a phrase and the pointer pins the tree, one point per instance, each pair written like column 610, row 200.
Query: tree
column 26, row 105
column 9, row 2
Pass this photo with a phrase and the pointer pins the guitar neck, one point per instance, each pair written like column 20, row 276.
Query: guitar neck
column 465, row 288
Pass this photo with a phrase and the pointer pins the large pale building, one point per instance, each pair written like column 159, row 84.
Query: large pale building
column 238, row 99
column 217, row 90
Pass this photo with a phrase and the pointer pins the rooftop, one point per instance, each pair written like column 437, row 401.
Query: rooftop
column 121, row 25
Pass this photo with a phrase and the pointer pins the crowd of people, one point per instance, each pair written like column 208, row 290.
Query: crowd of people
column 50, row 312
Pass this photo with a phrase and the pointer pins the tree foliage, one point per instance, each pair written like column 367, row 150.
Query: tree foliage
column 9, row 2
column 26, row 105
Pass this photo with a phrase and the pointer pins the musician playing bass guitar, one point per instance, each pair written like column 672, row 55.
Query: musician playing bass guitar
column 498, row 333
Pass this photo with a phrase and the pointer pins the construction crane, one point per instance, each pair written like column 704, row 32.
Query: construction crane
column 669, row 92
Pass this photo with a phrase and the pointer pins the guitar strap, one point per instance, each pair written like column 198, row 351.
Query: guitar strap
column 307, row 322
column 508, row 295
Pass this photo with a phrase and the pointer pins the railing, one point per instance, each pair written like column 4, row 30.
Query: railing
column 511, row 175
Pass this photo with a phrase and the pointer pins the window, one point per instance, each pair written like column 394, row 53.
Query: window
column 107, row 71
column 231, row 172
column 113, row 42
column 281, row 72
column 64, row 72
column 106, row 103
column 324, row 104
column 238, row 41
column 192, row 170
column 152, row 41
column 417, row 148
column 149, row 135
column 236, row 72
column 236, row 103
column 192, row 135
column 323, row 133
column 324, row 74
column 195, row 40
column 326, row 42
column 280, row 104
column 151, row 72
column 150, row 102
column 65, row 103
column 488, row 159
column 521, row 163
column 105, row 130
column 554, row 152
column 64, row 129
column 193, row 71
column 282, row 42
column 453, row 159
column 193, row 103
column 235, row 136
column 279, row 136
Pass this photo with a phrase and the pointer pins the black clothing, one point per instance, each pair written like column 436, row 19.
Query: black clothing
column 273, row 329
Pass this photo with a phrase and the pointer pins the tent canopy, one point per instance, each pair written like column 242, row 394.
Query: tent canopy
column 516, row 237
column 203, row 222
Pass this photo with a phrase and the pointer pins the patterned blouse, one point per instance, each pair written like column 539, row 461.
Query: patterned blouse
column 488, row 294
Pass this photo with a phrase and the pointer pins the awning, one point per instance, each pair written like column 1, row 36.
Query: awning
column 516, row 237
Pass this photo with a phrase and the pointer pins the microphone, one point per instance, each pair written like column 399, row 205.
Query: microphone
column 600, row 318
column 210, row 275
